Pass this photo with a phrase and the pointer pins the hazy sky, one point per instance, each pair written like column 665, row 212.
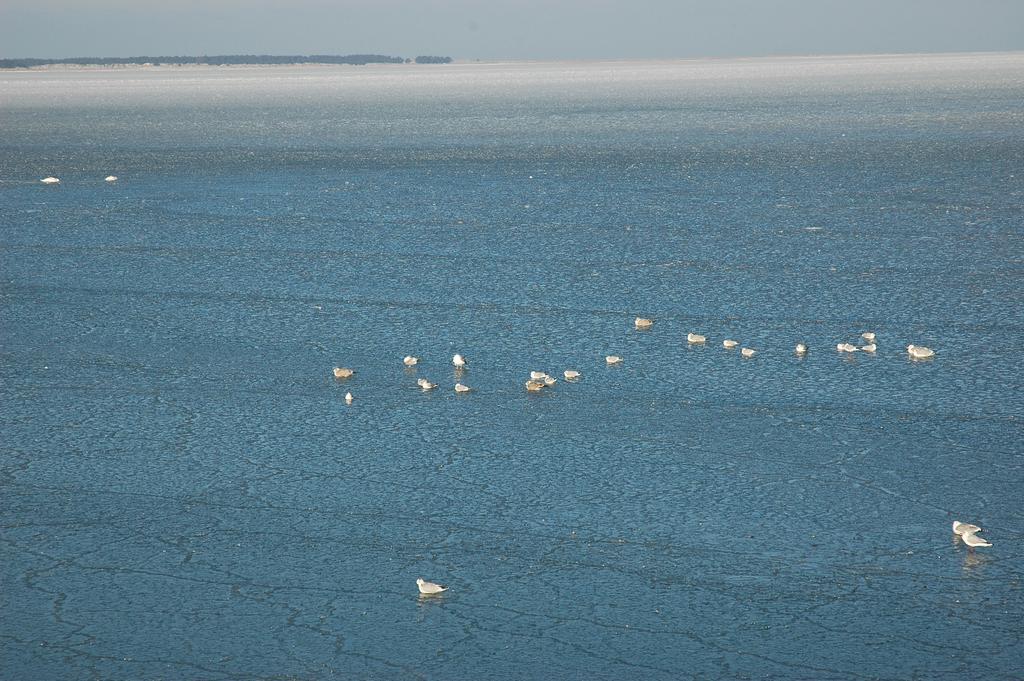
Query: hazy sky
column 494, row 29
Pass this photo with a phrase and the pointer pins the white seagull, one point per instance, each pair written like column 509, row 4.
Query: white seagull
column 801, row 349
column 425, row 384
column 920, row 352
column 964, row 528
column 348, row 398
column 695, row 338
column 972, row 540
column 747, row 352
column 429, row 588
column 869, row 336
column 570, row 374
column 643, row 323
column 459, row 388
column 613, row 359
column 729, row 343
column 110, row 178
column 50, row 180
column 410, row 361
column 459, row 361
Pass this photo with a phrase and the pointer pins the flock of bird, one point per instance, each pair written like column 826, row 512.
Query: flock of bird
column 539, row 380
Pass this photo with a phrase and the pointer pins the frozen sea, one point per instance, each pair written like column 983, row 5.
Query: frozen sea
column 185, row 495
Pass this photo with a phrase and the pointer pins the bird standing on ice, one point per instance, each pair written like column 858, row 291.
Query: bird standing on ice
column 972, row 540
column 964, row 528
column 920, row 352
column 458, row 361
column 429, row 588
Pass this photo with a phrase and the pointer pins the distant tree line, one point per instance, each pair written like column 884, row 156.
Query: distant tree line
column 355, row 59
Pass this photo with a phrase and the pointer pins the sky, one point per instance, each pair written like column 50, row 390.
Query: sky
column 507, row 29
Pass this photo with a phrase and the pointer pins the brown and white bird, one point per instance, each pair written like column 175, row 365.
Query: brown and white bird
column 801, row 349
column 570, row 374
column 747, row 352
column 459, row 388
column 425, row 384
column 729, row 344
column 643, row 323
column 410, row 361
column 613, row 359
column 342, row 372
column 695, row 338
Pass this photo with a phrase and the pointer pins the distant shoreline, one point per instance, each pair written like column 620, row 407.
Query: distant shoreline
column 219, row 60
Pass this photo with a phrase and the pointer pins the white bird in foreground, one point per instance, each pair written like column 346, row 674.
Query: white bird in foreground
column 459, row 361
column 110, row 178
column 747, row 352
column 570, row 374
column 459, row 388
column 869, row 336
column 972, row 540
column 964, row 528
column 342, row 372
column 613, row 359
column 846, row 347
column 429, row 588
column 410, row 361
column 425, row 384
column 50, row 180
column 695, row 338
column 729, row 343
column 537, row 375
column 642, row 323
column 348, row 398
column 919, row 351
column 870, row 347
column 549, row 380
column 801, row 349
